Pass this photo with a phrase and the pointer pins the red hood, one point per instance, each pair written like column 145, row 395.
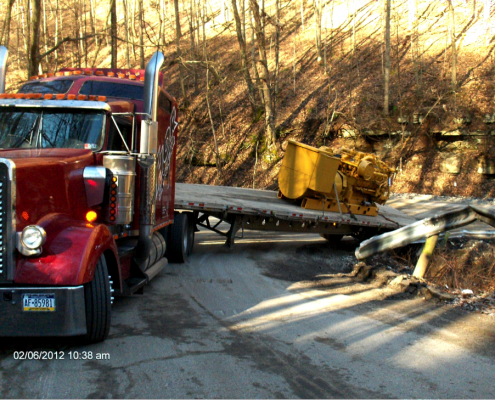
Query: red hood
column 49, row 181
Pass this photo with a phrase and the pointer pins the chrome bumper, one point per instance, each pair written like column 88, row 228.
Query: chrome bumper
column 68, row 319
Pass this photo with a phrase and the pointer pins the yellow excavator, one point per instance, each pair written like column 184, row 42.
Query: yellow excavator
column 345, row 181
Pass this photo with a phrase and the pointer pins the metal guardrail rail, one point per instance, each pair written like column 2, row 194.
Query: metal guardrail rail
column 425, row 228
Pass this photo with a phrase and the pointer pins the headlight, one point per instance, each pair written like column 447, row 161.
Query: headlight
column 33, row 237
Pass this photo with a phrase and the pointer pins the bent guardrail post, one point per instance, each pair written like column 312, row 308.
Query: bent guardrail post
column 421, row 229
column 424, row 258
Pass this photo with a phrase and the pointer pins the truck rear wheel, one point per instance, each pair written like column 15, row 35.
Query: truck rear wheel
column 181, row 239
column 98, row 304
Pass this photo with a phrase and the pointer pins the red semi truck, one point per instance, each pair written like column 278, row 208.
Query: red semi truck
column 87, row 187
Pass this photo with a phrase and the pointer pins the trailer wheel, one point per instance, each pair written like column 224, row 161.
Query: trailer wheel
column 98, row 304
column 332, row 238
column 365, row 234
column 178, row 246
column 192, row 225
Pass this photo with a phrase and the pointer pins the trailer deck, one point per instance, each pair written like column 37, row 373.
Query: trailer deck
column 257, row 209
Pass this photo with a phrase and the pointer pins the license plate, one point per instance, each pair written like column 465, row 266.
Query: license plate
column 38, row 302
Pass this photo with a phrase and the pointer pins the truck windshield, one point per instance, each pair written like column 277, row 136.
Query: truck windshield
column 54, row 128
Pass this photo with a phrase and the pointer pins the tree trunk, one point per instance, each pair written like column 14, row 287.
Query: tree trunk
column 454, row 48
column 277, row 53
column 264, row 77
column 141, row 33
column 6, row 27
column 317, row 11
column 244, row 59
column 177, row 43
column 193, row 43
column 126, row 24
column 113, row 33
column 387, row 58
column 253, row 59
column 34, row 35
column 217, row 154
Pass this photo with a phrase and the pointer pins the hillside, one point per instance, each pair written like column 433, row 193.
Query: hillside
column 438, row 134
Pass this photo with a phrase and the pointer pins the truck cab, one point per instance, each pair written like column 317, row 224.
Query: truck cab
column 87, row 185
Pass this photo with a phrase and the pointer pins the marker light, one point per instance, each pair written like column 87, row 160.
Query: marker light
column 91, row 216
column 33, row 237
column 25, row 215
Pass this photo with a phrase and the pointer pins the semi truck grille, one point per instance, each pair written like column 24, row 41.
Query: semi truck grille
column 7, row 220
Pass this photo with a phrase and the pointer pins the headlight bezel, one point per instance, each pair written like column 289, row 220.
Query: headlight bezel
column 42, row 235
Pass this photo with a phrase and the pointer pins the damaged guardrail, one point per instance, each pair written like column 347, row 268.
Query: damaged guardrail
column 424, row 229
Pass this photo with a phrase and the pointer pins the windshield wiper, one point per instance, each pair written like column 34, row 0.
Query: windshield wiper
column 29, row 133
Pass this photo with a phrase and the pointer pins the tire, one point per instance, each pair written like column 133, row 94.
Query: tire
column 332, row 238
column 191, row 233
column 98, row 304
column 365, row 234
column 178, row 246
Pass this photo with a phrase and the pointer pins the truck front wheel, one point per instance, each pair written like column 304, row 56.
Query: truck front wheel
column 181, row 238
column 98, row 304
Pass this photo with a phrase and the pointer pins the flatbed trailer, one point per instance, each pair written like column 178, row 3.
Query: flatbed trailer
column 257, row 209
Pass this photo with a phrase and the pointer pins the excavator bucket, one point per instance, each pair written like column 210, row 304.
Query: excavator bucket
column 306, row 170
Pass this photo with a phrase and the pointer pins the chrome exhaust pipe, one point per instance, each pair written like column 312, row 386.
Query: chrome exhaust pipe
column 151, row 84
column 4, row 54
column 147, row 198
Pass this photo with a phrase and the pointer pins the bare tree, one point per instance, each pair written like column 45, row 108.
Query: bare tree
column 126, row 25
column 317, row 5
column 6, row 26
column 453, row 44
column 141, row 34
column 179, row 54
column 244, row 59
column 270, row 136
column 113, row 32
column 386, row 79
column 34, row 38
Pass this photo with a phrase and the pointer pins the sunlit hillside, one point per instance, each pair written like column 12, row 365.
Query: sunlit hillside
column 439, row 128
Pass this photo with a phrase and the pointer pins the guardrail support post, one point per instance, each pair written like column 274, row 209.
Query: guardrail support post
column 424, row 258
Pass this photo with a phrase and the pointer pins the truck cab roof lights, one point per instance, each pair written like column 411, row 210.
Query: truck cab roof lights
column 71, row 97
column 67, row 73
column 77, row 72
column 141, row 78
column 49, row 75
column 101, row 98
column 59, row 73
column 19, row 95
column 121, row 75
column 34, row 78
column 82, row 97
column 60, row 96
column 48, row 96
column 132, row 77
column 92, row 97
column 111, row 74
column 99, row 73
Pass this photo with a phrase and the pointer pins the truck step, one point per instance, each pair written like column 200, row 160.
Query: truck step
column 135, row 285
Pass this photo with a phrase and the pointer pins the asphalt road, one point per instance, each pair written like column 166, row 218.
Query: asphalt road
column 235, row 323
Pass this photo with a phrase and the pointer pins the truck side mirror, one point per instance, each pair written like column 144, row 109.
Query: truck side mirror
column 149, row 137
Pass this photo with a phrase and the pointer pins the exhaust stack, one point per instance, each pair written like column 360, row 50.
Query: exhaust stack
column 4, row 54
column 147, row 199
